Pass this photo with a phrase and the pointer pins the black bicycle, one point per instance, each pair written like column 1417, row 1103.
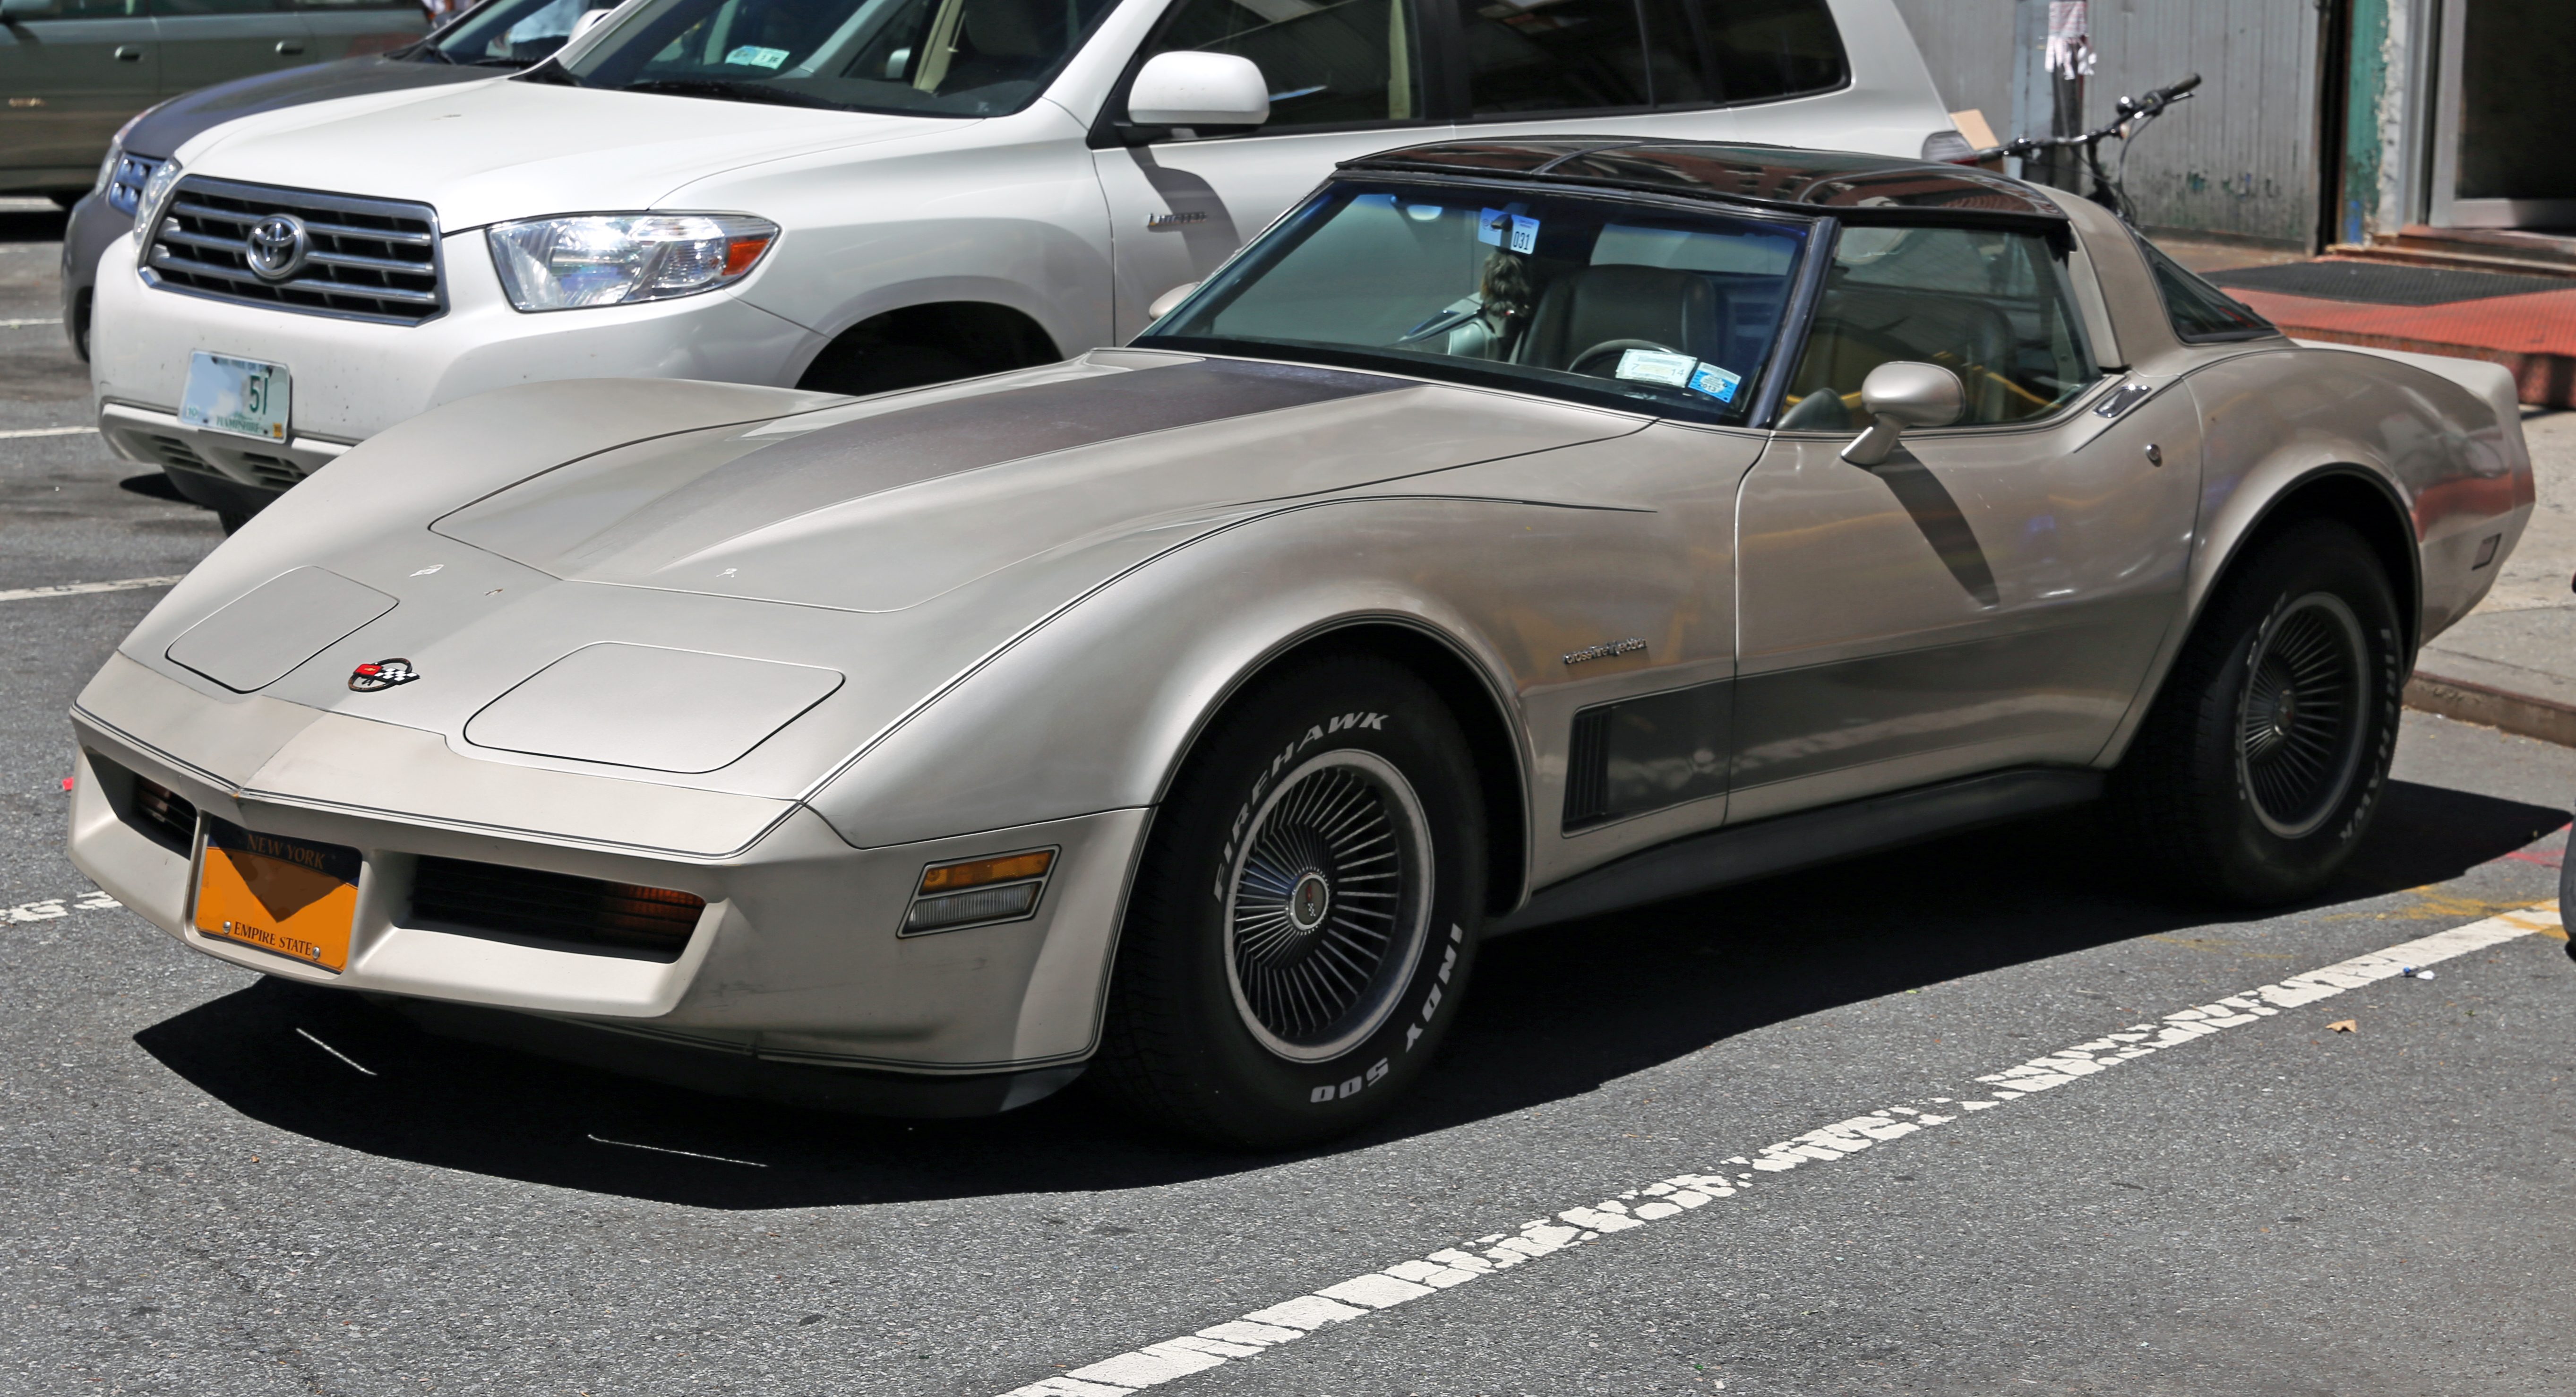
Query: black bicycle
column 2111, row 191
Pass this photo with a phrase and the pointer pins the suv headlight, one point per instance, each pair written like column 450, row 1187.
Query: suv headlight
column 614, row 258
column 155, row 196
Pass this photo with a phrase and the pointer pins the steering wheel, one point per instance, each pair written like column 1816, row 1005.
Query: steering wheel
column 1575, row 365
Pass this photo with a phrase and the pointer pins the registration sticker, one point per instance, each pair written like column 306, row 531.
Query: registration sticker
column 754, row 56
column 284, row 896
column 242, row 396
column 1716, row 382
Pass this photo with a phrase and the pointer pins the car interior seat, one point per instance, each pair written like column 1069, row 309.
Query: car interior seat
column 1590, row 306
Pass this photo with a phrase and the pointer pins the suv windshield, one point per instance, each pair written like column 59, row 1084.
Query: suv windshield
column 1670, row 311
column 922, row 57
column 507, row 33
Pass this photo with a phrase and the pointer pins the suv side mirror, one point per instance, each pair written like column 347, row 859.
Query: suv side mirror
column 1183, row 88
column 12, row 11
column 1900, row 395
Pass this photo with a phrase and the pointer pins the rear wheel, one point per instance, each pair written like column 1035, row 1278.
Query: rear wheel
column 2256, row 774
column 1306, row 914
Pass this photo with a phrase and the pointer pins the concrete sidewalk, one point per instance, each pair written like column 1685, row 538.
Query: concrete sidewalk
column 2512, row 663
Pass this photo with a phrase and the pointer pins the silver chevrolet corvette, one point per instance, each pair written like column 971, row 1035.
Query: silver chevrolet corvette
column 1515, row 532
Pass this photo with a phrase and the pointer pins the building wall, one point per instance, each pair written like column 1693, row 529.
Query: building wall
column 2240, row 159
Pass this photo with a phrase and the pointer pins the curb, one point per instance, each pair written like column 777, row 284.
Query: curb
column 2521, row 714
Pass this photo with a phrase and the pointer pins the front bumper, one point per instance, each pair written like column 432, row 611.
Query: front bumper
column 350, row 379
column 795, row 961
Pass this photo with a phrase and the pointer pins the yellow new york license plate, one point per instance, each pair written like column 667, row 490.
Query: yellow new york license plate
column 296, row 899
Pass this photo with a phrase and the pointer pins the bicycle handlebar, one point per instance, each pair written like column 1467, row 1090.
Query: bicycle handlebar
column 2131, row 109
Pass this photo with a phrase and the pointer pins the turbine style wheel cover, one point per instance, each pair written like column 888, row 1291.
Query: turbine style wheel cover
column 2299, row 723
column 1328, row 905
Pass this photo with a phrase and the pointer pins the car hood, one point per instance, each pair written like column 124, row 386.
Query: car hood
column 887, row 505
column 484, row 152
column 175, row 122
column 872, row 551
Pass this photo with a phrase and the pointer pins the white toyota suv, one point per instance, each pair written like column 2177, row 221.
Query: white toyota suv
column 856, row 195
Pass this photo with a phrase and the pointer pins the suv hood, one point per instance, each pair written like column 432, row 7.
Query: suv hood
column 483, row 152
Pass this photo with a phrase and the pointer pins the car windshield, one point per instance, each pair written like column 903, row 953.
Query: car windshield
column 1667, row 310
column 507, row 33
column 923, row 57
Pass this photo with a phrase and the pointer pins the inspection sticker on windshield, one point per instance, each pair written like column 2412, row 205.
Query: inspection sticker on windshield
column 1716, row 382
column 754, row 56
column 1656, row 366
column 1499, row 228
column 235, row 395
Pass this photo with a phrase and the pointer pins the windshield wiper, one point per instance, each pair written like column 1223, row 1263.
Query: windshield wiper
column 723, row 90
column 496, row 63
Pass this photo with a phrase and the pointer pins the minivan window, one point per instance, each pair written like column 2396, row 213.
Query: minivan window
column 1327, row 62
column 915, row 57
column 1665, row 311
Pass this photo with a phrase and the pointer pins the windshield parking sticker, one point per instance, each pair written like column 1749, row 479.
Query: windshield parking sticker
column 1503, row 228
column 754, row 56
column 1656, row 366
column 1716, row 382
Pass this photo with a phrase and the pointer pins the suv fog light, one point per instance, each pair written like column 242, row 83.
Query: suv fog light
column 1004, row 888
column 615, row 259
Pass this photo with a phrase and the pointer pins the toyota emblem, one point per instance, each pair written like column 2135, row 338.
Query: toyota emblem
column 276, row 247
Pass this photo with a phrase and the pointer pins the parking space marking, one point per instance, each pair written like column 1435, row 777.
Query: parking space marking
column 70, row 589
column 40, row 320
column 1680, row 1194
column 44, row 431
column 45, row 909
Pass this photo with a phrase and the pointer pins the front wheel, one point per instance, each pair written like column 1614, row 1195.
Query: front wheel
column 2256, row 774
column 1306, row 913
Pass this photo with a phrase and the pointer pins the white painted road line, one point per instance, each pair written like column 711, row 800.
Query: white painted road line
column 44, row 431
column 71, row 589
column 45, row 909
column 1675, row 1196
column 14, row 324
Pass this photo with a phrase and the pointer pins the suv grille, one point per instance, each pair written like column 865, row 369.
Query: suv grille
column 553, row 909
column 366, row 259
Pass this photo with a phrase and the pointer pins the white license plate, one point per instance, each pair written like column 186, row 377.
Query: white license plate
column 235, row 395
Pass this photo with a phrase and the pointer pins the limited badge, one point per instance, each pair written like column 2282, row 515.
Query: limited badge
column 383, row 674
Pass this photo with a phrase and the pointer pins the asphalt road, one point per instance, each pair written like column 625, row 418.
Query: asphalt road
column 214, row 1184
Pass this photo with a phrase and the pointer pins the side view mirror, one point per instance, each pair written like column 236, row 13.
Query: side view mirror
column 1183, row 88
column 14, row 10
column 1164, row 304
column 1900, row 395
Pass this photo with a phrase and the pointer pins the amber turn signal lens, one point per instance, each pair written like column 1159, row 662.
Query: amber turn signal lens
column 742, row 252
column 975, row 873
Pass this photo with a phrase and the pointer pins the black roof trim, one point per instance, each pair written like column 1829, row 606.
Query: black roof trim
column 1848, row 184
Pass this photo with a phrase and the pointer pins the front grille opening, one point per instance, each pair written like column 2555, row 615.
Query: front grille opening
column 275, row 472
column 370, row 259
column 553, row 911
column 163, row 816
column 178, row 455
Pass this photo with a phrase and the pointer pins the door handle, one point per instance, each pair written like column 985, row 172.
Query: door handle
column 128, row 53
column 289, row 46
